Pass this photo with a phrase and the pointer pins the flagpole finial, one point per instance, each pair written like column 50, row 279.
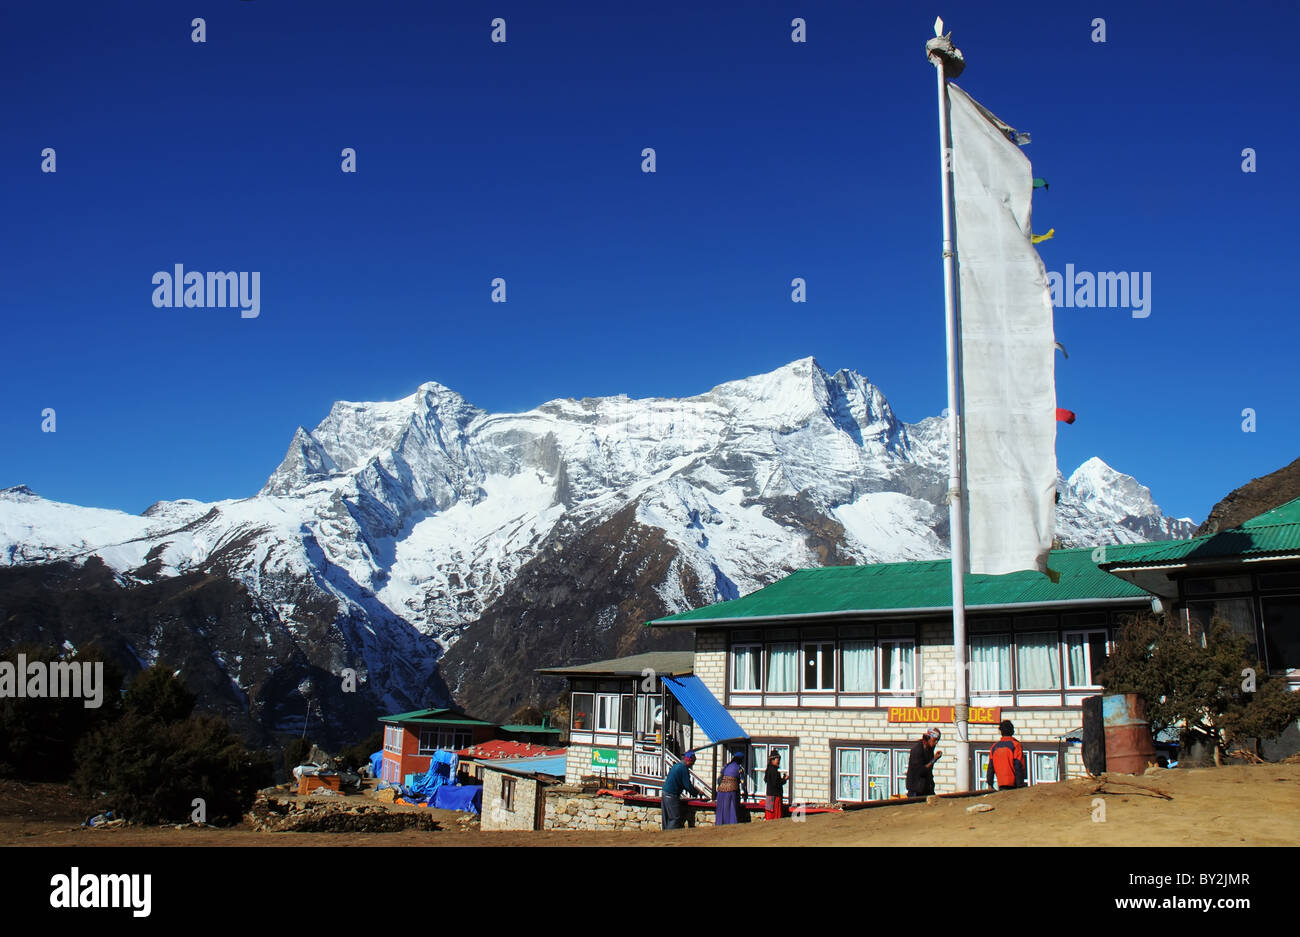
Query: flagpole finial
column 941, row 50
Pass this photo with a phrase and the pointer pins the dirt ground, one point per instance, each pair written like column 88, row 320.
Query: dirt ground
column 1248, row 805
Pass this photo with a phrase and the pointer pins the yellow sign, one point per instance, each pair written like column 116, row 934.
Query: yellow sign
column 942, row 715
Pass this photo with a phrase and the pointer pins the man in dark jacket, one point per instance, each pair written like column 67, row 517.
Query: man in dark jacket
column 677, row 783
column 920, row 766
column 1006, row 760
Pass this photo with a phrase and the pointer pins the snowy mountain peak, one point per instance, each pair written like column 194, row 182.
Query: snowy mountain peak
column 1095, row 491
column 305, row 462
column 404, row 522
column 1095, row 480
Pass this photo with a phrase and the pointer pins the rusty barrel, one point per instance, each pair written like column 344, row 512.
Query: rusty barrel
column 1129, row 746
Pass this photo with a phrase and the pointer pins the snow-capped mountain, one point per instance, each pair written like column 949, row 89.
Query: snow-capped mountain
column 412, row 518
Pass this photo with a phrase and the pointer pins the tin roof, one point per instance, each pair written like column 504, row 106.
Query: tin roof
column 435, row 717
column 552, row 765
column 916, row 587
column 709, row 715
column 1275, row 532
column 532, row 730
column 661, row 662
column 504, row 749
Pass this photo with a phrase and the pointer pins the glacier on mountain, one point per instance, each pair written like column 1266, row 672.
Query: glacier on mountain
column 414, row 515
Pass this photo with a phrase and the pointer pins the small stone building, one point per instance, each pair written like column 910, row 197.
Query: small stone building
column 514, row 791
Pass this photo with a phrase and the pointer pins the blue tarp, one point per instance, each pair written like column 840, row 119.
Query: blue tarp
column 442, row 770
column 705, row 709
column 468, row 798
column 377, row 764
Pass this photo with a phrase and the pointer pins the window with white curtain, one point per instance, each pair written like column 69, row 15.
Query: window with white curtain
column 819, row 665
column 746, row 668
column 848, row 770
column 1043, row 767
column 783, row 667
column 858, row 666
column 431, row 740
column 1085, row 652
column 863, row 773
column 1038, row 661
column 990, row 663
column 869, row 773
column 758, row 755
column 607, row 712
column 897, row 666
column 650, row 715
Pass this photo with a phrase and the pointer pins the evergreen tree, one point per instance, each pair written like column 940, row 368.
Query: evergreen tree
column 1199, row 686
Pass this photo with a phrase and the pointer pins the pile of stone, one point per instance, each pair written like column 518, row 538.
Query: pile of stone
column 331, row 815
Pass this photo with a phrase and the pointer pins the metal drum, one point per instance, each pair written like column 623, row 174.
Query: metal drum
column 1129, row 746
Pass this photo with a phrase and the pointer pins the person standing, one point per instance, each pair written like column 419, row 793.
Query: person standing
column 1006, row 760
column 920, row 766
column 729, row 790
column 774, row 782
column 677, row 783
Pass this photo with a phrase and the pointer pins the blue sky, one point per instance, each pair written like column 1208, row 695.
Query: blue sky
column 522, row 160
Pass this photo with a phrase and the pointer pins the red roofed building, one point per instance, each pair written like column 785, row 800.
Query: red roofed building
column 502, row 750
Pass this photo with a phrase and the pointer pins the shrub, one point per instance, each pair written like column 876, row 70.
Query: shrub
column 39, row 737
column 357, row 756
column 295, row 753
column 152, row 763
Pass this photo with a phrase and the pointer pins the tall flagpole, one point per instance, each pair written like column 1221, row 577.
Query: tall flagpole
column 948, row 62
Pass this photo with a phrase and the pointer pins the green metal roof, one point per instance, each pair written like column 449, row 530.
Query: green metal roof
column 436, row 717
column 1273, row 532
column 913, row 587
column 535, row 730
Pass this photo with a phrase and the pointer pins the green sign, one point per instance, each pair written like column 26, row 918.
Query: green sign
column 604, row 758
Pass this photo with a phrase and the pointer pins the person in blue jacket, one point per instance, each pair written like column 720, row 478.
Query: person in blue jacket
column 677, row 783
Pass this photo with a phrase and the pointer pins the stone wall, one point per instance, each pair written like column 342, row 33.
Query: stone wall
column 522, row 811
column 571, row 807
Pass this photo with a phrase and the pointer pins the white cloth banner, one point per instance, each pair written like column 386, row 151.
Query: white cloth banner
column 1008, row 385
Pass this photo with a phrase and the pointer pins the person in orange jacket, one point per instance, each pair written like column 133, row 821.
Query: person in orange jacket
column 1006, row 760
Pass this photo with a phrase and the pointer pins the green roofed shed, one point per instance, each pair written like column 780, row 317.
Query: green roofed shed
column 1266, row 538
column 1275, row 531
column 436, row 717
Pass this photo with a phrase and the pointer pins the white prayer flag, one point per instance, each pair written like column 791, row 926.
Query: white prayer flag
column 1007, row 348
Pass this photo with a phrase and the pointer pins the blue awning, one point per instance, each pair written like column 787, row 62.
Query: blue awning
column 705, row 709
